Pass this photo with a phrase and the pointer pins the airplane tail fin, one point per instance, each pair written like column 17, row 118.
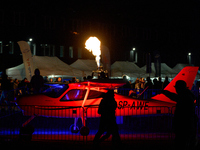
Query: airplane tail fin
column 27, row 59
column 187, row 74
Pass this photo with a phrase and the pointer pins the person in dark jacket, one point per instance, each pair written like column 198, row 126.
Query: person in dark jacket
column 149, row 87
column 6, row 87
column 37, row 82
column 165, row 83
column 185, row 120
column 108, row 123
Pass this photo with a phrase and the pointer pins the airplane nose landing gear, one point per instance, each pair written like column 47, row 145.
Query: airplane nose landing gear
column 74, row 128
column 84, row 130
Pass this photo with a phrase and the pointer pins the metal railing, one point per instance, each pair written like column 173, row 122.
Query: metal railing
column 145, row 126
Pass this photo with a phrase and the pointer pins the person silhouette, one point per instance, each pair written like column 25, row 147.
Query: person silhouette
column 6, row 88
column 108, row 123
column 148, row 86
column 165, row 83
column 184, row 123
column 37, row 82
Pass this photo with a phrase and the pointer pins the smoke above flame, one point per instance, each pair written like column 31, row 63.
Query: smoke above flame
column 93, row 45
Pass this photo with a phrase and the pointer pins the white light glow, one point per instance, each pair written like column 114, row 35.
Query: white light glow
column 93, row 45
column 127, row 77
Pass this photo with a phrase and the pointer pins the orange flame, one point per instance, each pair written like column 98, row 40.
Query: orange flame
column 93, row 45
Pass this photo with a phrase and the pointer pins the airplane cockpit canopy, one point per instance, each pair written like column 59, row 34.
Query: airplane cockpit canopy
column 79, row 94
column 56, row 90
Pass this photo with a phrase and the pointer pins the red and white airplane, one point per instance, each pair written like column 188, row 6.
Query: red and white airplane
column 63, row 102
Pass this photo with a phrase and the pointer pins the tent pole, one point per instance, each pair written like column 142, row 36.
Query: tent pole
column 62, row 76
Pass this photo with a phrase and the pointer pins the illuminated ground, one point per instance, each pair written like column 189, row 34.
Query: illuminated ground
column 132, row 127
column 136, row 132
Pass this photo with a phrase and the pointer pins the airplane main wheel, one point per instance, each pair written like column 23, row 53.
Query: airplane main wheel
column 74, row 129
column 84, row 131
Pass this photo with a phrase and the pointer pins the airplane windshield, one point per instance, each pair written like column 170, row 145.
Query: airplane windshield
column 55, row 91
column 79, row 94
column 74, row 94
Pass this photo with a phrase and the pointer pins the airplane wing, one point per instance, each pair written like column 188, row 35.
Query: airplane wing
column 107, row 83
column 187, row 74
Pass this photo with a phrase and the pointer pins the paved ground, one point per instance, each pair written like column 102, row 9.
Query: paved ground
column 63, row 145
column 54, row 140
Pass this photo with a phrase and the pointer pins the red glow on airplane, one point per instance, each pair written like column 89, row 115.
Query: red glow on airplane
column 89, row 94
column 187, row 74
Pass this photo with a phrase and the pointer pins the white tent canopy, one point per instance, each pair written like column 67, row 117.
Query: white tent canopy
column 179, row 67
column 120, row 68
column 17, row 72
column 47, row 66
column 85, row 65
column 165, row 71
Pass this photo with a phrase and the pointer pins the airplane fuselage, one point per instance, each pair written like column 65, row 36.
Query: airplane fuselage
column 43, row 105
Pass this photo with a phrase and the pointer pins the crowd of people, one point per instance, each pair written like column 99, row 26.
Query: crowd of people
column 12, row 88
column 137, row 88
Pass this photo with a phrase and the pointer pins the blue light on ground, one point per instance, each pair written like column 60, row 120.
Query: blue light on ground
column 10, row 123
column 43, row 131
column 61, row 132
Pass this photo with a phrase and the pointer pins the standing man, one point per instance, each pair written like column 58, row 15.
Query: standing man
column 37, row 82
column 108, row 123
column 184, row 123
column 6, row 88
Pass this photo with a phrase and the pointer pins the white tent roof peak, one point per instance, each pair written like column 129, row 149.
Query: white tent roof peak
column 47, row 66
column 165, row 70
column 85, row 65
column 120, row 68
column 179, row 67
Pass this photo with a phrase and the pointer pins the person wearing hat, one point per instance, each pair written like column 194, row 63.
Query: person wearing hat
column 184, row 123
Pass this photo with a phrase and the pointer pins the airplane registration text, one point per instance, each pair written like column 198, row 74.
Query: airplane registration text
column 134, row 105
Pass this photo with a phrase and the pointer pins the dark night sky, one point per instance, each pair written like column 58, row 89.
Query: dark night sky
column 176, row 16
column 126, row 10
